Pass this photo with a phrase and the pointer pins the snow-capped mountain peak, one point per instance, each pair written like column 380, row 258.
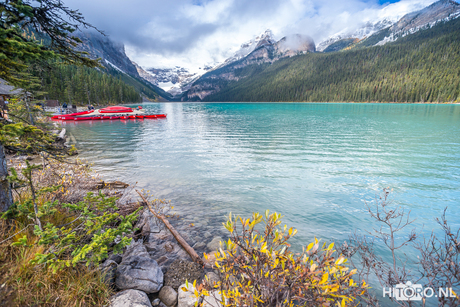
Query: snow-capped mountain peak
column 382, row 19
column 263, row 39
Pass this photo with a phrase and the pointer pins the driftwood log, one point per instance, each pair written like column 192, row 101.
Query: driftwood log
column 61, row 136
column 111, row 185
column 174, row 232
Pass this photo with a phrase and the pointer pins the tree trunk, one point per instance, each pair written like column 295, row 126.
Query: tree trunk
column 28, row 111
column 6, row 196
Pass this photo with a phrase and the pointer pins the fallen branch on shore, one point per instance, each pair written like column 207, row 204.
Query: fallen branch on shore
column 174, row 232
column 111, row 185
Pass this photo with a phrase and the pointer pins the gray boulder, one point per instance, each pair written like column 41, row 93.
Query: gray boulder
column 148, row 223
column 186, row 298
column 168, row 296
column 214, row 244
column 199, row 245
column 130, row 298
column 135, row 249
column 140, row 273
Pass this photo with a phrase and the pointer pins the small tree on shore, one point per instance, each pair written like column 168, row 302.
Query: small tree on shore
column 438, row 259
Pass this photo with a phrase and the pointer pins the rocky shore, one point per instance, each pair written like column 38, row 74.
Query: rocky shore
column 154, row 268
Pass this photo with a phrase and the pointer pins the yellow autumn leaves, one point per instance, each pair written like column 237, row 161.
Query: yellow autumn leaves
column 257, row 268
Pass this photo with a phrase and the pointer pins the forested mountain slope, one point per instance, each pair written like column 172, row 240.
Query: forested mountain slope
column 116, row 81
column 83, row 85
column 422, row 67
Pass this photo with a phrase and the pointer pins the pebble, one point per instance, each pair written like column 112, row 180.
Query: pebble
column 199, row 245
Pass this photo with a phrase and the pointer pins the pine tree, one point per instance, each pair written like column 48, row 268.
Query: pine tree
column 55, row 23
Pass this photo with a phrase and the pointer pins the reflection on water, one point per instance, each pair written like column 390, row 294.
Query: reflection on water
column 317, row 164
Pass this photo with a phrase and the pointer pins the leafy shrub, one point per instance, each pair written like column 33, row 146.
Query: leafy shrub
column 258, row 269
column 26, row 284
column 56, row 265
column 69, row 233
column 93, row 226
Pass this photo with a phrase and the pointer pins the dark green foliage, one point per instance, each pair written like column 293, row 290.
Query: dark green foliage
column 20, row 137
column 49, row 17
column 93, row 226
column 143, row 87
column 423, row 67
column 83, row 85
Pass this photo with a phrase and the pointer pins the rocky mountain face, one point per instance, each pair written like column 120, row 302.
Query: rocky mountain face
column 112, row 53
column 268, row 51
column 437, row 11
column 246, row 48
column 113, row 57
column 174, row 81
column 143, row 74
column 441, row 11
column 365, row 30
column 393, row 27
column 263, row 49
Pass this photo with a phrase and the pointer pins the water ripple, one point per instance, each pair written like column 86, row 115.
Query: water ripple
column 315, row 163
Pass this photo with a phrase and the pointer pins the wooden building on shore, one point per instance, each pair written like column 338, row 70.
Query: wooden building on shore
column 7, row 91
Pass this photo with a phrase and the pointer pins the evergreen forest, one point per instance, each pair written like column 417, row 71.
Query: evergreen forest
column 85, row 85
column 421, row 67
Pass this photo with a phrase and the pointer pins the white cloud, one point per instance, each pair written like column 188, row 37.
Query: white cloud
column 191, row 33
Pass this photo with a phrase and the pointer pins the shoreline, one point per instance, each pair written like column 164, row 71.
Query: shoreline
column 313, row 102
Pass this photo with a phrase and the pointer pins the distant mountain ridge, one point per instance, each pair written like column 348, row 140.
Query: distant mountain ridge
column 387, row 17
column 410, row 23
column 435, row 12
column 264, row 50
column 441, row 11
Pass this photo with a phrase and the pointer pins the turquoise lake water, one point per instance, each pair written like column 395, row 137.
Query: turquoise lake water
column 317, row 164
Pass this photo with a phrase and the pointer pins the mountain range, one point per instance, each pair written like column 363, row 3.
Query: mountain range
column 259, row 56
column 238, row 73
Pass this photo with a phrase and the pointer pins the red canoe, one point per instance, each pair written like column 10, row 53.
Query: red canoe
column 115, row 112
column 116, row 109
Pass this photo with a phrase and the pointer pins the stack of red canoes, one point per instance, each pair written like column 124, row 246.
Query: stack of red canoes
column 116, row 112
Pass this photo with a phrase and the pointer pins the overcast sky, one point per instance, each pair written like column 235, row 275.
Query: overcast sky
column 192, row 33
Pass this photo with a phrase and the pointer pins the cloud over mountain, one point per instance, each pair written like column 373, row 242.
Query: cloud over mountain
column 192, row 33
